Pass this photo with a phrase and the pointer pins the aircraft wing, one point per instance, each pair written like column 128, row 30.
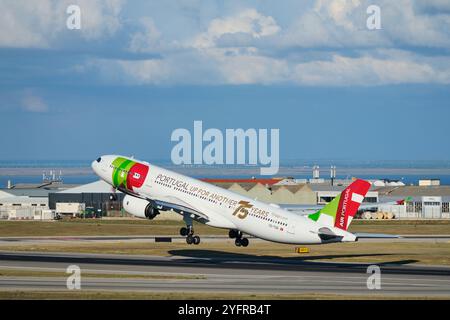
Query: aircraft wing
column 308, row 209
column 179, row 206
column 175, row 204
column 376, row 204
column 301, row 209
column 363, row 235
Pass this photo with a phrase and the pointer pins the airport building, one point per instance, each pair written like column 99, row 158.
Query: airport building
column 425, row 202
column 95, row 198
column 25, row 204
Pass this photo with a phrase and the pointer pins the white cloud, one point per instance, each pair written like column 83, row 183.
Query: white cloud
column 151, row 71
column 147, row 40
column 395, row 68
column 200, row 59
column 250, row 47
column 24, row 23
column 99, row 17
column 33, row 103
column 249, row 21
column 37, row 24
column 342, row 24
column 405, row 25
column 338, row 10
column 216, row 67
column 249, row 68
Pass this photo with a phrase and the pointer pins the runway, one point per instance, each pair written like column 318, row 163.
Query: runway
column 225, row 272
column 177, row 238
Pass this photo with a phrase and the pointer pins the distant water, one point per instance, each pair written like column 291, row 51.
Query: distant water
column 340, row 163
column 38, row 179
column 45, row 163
column 83, row 179
column 300, row 169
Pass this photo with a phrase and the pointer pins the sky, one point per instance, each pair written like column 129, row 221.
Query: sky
column 137, row 70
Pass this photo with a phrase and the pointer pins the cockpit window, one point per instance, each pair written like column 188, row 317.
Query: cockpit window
column 99, row 159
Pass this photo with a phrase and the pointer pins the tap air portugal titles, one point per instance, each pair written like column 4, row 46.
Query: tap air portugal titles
column 150, row 189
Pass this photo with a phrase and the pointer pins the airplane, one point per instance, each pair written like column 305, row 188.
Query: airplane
column 306, row 209
column 150, row 189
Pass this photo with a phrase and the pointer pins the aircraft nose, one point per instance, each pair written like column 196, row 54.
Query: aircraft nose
column 95, row 164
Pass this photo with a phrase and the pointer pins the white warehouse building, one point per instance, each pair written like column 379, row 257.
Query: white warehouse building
column 22, row 207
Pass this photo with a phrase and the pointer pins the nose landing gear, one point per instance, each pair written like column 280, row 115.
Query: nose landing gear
column 189, row 234
column 239, row 240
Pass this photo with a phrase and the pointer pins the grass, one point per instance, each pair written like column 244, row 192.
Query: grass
column 427, row 252
column 432, row 253
column 123, row 295
column 416, row 227
column 92, row 227
column 32, row 273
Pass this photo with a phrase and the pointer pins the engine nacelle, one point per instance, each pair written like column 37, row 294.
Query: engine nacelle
column 139, row 207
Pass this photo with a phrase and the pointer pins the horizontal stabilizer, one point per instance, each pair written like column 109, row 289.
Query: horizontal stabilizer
column 363, row 235
column 326, row 235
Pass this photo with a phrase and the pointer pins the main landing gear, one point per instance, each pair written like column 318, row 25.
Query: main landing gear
column 239, row 240
column 188, row 232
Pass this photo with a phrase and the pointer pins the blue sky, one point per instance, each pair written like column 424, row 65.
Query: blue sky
column 137, row 70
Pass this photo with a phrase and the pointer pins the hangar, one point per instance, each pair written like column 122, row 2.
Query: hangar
column 20, row 204
column 426, row 202
column 96, row 196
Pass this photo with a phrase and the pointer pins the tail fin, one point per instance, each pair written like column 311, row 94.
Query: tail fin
column 403, row 201
column 341, row 210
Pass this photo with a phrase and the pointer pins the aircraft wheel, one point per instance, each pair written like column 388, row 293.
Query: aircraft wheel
column 184, row 232
column 237, row 242
column 189, row 239
column 244, row 242
column 235, row 234
column 196, row 239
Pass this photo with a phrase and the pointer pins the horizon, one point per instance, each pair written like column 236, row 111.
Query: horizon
column 323, row 163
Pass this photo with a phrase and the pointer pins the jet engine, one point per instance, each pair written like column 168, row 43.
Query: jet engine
column 139, row 207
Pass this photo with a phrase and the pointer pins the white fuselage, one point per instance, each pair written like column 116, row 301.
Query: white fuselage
column 225, row 209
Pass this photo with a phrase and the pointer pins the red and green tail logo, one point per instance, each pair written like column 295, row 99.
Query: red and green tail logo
column 341, row 210
column 128, row 174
